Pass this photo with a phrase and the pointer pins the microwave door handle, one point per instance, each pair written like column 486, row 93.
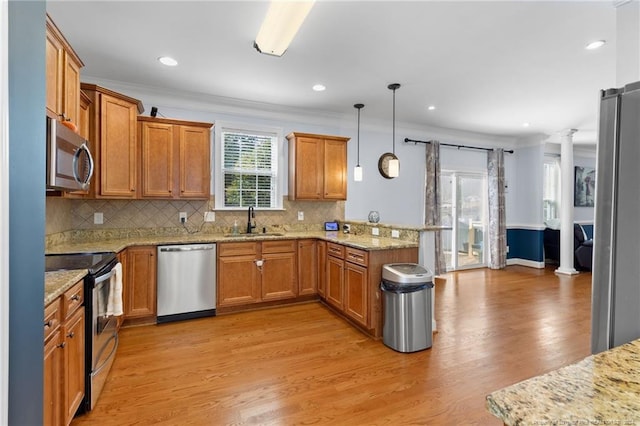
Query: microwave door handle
column 76, row 156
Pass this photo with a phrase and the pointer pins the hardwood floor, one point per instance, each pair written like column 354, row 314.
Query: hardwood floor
column 304, row 365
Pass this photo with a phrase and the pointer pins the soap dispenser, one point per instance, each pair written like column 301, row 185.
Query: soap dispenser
column 235, row 228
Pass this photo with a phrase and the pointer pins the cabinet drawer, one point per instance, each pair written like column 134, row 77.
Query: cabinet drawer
column 279, row 246
column 52, row 318
column 72, row 299
column 237, row 249
column 359, row 257
column 335, row 250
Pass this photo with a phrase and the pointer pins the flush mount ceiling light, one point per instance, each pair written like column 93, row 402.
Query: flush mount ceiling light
column 526, row 124
column 357, row 171
column 168, row 61
column 280, row 26
column 431, row 107
column 595, row 44
column 319, row 87
column 388, row 164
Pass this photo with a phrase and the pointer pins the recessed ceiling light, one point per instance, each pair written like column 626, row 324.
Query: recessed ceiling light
column 431, row 107
column 168, row 61
column 595, row 44
column 319, row 87
column 525, row 124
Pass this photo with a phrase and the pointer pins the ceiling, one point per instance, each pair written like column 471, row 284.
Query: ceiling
column 488, row 67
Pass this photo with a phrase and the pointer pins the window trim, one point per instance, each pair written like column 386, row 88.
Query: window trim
column 217, row 173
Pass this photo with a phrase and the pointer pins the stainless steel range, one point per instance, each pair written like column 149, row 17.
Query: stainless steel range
column 101, row 329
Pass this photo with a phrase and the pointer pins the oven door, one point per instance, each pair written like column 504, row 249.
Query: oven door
column 104, row 337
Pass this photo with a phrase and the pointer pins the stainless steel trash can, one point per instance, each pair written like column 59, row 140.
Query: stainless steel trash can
column 406, row 289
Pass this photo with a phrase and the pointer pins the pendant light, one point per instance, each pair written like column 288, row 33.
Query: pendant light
column 357, row 171
column 394, row 163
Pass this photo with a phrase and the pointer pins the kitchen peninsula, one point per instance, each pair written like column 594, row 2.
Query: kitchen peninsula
column 601, row 389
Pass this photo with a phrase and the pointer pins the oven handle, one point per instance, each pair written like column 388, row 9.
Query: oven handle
column 106, row 360
column 105, row 277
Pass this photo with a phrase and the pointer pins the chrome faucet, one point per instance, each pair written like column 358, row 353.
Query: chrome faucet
column 251, row 214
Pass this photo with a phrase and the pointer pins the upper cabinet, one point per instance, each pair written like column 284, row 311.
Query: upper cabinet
column 63, row 76
column 112, row 137
column 317, row 167
column 175, row 158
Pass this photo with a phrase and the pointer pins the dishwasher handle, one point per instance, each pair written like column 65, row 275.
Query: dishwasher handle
column 187, row 248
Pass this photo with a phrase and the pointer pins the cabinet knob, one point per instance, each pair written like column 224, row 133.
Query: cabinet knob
column 71, row 335
column 133, row 190
column 48, row 324
column 62, row 345
column 75, row 297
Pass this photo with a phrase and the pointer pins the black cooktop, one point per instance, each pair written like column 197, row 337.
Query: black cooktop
column 93, row 262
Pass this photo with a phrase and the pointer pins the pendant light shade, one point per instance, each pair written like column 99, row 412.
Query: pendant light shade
column 394, row 163
column 357, row 171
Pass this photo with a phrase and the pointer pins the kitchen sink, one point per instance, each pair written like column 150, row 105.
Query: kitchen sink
column 255, row 235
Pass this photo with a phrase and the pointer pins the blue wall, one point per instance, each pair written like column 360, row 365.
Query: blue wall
column 525, row 244
column 588, row 229
column 26, row 209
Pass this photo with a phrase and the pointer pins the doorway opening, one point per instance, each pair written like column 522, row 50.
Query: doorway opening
column 464, row 209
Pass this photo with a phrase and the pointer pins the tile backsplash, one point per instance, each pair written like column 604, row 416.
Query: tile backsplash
column 64, row 214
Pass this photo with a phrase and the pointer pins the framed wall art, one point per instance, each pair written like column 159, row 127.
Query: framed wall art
column 585, row 186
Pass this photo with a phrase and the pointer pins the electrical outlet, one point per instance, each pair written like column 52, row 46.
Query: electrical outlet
column 507, row 249
column 183, row 217
column 98, row 218
column 209, row 216
column 375, row 231
column 395, row 233
column 300, row 215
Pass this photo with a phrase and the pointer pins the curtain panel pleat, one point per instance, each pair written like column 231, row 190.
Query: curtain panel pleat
column 497, row 218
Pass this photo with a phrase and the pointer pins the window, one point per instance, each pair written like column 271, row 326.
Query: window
column 247, row 167
column 551, row 189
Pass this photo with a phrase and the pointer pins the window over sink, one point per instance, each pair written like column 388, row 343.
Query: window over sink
column 247, row 170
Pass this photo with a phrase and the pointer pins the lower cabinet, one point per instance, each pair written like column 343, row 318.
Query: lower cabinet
column 307, row 267
column 321, row 256
column 140, row 284
column 347, row 287
column 64, row 356
column 253, row 272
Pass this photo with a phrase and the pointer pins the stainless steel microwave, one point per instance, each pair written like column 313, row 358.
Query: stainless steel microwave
column 69, row 161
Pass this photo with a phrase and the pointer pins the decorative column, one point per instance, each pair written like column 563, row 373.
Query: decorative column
column 566, row 203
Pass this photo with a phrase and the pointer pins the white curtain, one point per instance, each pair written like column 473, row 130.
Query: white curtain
column 432, row 201
column 497, row 220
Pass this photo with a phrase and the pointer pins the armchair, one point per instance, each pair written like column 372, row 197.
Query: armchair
column 583, row 254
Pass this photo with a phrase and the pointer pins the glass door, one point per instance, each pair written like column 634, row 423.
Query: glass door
column 464, row 209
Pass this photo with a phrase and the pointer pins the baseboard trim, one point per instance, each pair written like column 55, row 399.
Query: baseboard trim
column 525, row 262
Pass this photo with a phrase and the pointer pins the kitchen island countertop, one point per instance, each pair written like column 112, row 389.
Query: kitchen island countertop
column 602, row 389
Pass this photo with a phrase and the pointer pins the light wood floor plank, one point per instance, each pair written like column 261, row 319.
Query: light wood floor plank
column 304, row 365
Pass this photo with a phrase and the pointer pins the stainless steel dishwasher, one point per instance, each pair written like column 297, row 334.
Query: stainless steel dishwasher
column 186, row 281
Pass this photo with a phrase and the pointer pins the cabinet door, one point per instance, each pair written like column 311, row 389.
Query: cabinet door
column 54, row 78
column 238, row 280
column 309, row 168
column 73, row 331
column 307, row 267
column 71, row 93
column 335, row 282
column 322, row 267
column 139, row 294
column 117, row 148
column 335, row 169
column 356, row 294
column 157, row 146
column 279, row 276
column 194, row 162
column 52, row 392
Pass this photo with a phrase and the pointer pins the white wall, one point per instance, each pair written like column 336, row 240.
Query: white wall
column 399, row 200
column 524, row 208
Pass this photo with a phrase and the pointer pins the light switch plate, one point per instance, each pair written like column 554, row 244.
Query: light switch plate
column 209, row 216
column 395, row 233
column 300, row 215
column 98, row 218
column 375, row 231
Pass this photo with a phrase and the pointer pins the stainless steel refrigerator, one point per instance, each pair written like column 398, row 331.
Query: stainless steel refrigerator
column 616, row 258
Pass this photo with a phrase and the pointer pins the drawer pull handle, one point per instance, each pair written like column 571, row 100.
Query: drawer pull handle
column 48, row 324
column 75, row 297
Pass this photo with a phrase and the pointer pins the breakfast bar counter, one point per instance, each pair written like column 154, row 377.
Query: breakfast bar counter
column 602, row 389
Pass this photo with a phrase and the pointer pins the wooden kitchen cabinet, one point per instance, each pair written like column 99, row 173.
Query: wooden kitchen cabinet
column 307, row 267
column 347, row 282
column 321, row 256
column 140, row 285
column 254, row 272
column 64, row 356
column 174, row 158
column 317, row 167
column 113, row 142
column 334, row 291
column 62, row 75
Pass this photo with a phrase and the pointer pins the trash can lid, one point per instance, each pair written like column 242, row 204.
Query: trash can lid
column 408, row 273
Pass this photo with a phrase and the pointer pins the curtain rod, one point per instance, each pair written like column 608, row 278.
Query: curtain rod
column 508, row 151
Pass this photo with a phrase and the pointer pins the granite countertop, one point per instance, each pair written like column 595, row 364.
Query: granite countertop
column 56, row 283
column 602, row 389
column 365, row 242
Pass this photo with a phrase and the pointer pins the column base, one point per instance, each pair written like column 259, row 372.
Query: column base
column 566, row 271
